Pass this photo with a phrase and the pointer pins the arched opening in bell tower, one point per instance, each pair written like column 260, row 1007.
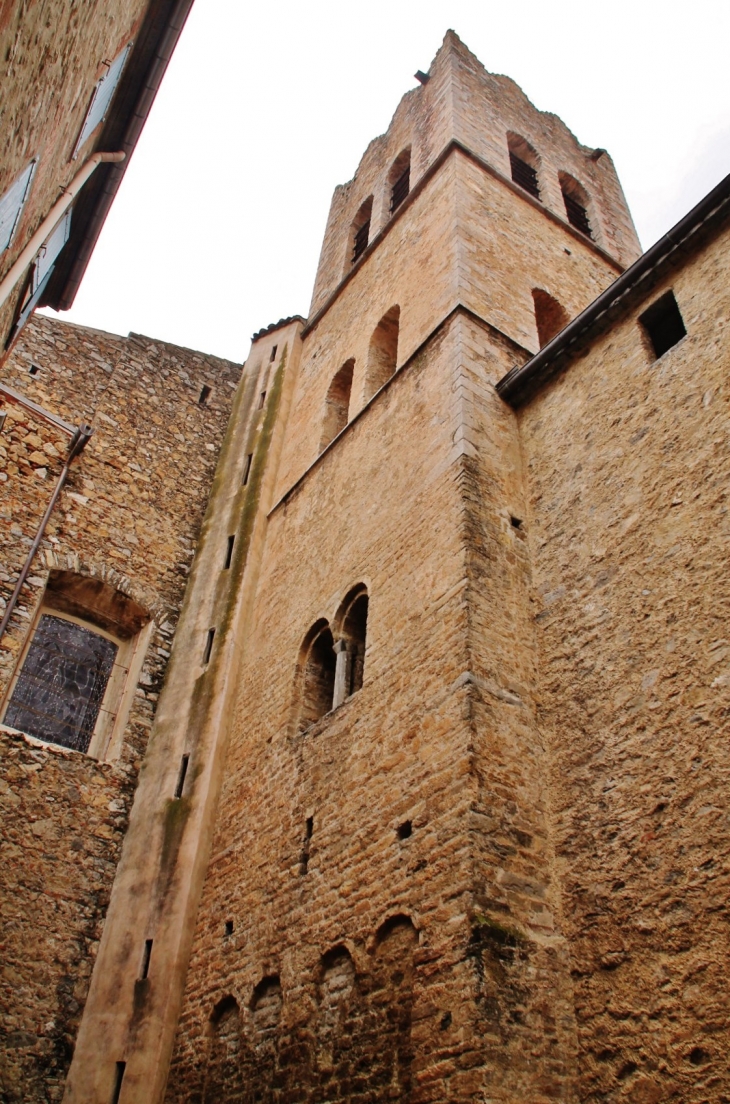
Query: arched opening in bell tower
column 550, row 315
column 337, row 404
column 576, row 201
column 523, row 163
column 383, row 352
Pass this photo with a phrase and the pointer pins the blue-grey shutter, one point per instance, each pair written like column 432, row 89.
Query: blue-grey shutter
column 50, row 249
column 12, row 203
column 102, row 97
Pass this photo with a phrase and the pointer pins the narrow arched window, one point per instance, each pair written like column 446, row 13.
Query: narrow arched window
column 523, row 163
column 317, row 674
column 360, row 230
column 575, row 199
column 399, row 179
column 382, row 352
column 337, row 404
column 550, row 316
column 351, row 625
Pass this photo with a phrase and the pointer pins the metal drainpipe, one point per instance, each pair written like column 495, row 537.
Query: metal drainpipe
column 77, row 445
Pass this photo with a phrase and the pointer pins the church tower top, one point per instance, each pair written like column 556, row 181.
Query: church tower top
column 460, row 104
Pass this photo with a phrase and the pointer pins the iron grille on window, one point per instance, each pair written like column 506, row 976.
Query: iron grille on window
column 524, row 175
column 577, row 215
column 361, row 240
column 61, row 686
column 400, row 189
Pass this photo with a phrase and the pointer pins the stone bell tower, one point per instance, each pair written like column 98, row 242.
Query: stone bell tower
column 338, row 881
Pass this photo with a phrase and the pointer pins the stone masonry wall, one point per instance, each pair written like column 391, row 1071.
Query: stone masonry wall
column 341, row 951
column 629, row 462
column 51, row 55
column 129, row 516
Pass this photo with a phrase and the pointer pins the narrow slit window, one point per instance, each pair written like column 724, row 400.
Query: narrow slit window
column 146, row 956
column 209, row 646
column 204, row 394
column 181, row 776
column 118, row 1079
column 247, row 469
column 229, row 551
column 262, row 400
column 273, row 353
column 663, row 324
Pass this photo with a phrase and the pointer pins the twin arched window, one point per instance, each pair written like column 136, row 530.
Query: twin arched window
column 397, row 188
column 524, row 163
column 381, row 365
column 332, row 665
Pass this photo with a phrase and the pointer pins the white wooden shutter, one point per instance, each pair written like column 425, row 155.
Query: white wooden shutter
column 12, row 203
column 102, row 97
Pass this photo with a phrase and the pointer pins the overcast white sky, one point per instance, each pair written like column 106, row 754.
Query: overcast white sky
column 267, row 106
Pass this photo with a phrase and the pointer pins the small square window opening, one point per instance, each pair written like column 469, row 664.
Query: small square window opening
column 663, row 324
column 204, row 395
column 34, row 370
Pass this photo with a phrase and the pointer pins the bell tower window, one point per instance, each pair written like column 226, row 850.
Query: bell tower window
column 575, row 199
column 360, row 231
column 523, row 162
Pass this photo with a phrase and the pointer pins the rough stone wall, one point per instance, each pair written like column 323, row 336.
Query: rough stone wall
column 366, row 824
column 51, row 55
column 127, row 517
column 628, row 529
column 463, row 101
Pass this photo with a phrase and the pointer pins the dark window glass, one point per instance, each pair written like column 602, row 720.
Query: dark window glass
column 61, row 686
column 663, row 323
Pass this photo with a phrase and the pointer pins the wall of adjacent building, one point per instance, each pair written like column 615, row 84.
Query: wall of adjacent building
column 52, row 56
column 628, row 461
column 127, row 521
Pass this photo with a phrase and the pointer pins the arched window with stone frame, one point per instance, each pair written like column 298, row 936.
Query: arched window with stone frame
column 351, row 631
column 77, row 673
column 315, row 677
